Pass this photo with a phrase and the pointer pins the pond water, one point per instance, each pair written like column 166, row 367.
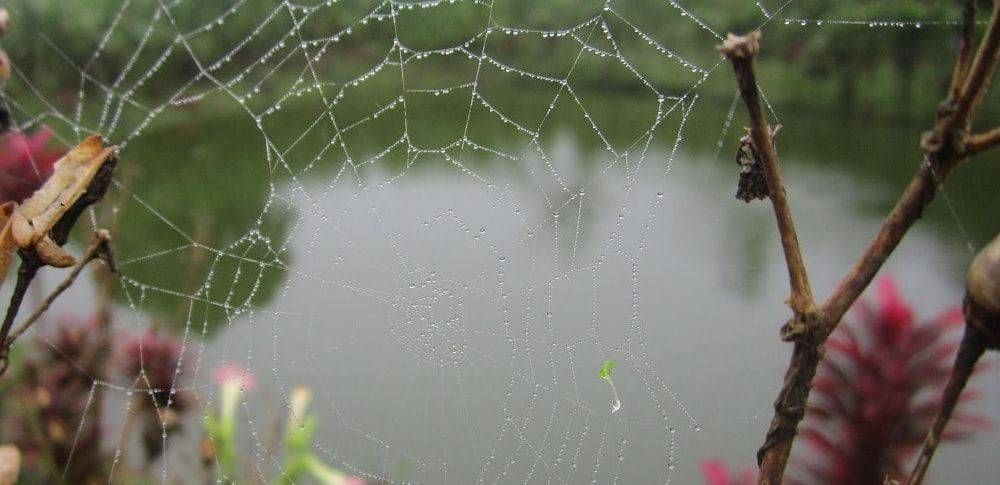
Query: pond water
column 444, row 220
column 450, row 311
column 448, row 282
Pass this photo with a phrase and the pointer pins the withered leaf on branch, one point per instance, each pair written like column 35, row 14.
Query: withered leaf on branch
column 753, row 182
column 27, row 226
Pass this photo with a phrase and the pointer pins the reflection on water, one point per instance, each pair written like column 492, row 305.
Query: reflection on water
column 210, row 198
column 453, row 328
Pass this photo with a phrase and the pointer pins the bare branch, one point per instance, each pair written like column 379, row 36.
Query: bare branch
column 742, row 50
column 965, row 49
column 981, row 72
column 789, row 408
column 965, row 362
column 945, row 147
column 918, row 194
column 100, row 248
column 982, row 141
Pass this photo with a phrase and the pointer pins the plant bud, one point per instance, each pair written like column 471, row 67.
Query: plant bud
column 4, row 22
column 983, row 283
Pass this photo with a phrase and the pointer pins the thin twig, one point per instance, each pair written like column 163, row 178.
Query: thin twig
column 917, row 195
column 742, row 50
column 971, row 349
column 944, row 148
column 982, row 331
column 100, row 248
column 965, row 48
column 981, row 142
column 789, row 408
column 26, row 273
column 980, row 73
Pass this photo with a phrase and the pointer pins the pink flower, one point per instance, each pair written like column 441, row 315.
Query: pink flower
column 228, row 374
column 25, row 163
column 877, row 392
column 716, row 473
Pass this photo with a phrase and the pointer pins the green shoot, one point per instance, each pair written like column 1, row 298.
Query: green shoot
column 605, row 373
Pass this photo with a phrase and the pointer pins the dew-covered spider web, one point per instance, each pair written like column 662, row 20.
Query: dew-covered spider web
column 442, row 218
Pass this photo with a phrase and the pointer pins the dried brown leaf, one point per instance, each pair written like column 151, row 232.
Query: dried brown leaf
column 32, row 220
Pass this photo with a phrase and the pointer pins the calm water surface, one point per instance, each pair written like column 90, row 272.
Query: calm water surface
column 451, row 322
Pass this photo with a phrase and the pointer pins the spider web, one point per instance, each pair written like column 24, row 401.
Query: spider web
column 408, row 229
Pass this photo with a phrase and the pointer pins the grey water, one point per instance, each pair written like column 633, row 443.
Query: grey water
column 451, row 329
column 450, row 318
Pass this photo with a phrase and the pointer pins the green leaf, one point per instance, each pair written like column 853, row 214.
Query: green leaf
column 605, row 370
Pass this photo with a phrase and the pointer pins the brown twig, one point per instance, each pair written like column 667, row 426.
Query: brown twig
column 789, row 408
column 908, row 209
column 977, row 82
column 981, row 142
column 26, row 273
column 964, row 49
column 100, row 248
column 742, row 50
column 982, row 332
column 944, row 147
column 969, row 352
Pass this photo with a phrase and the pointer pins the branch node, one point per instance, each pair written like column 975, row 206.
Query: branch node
column 804, row 327
column 741, row 46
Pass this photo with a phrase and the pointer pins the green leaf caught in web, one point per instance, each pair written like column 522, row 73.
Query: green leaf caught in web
column 605, row 371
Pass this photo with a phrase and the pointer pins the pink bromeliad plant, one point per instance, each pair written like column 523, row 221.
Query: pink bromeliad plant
column 877, row 392
column 717, row 473
column 874, row 397
column 26, row 161
column 153, row 362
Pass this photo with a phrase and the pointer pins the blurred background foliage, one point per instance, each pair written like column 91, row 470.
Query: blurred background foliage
column 824, row 62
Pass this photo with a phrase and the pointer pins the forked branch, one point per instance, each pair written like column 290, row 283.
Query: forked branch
column 945, row 146
column 982, row 141
column 100, row 248
column 41, row 225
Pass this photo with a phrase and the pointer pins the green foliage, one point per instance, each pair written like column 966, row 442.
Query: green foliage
column 832, row 56
column 298, row 451
column 605, row 371
column 300, row 462
column 223, row 438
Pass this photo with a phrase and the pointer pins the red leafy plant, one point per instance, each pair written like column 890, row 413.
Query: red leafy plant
column 153, row 361
column 874, row 397
column 716, row 473
column 877, row 391
column 25, row 163
column 57, row 424
column 54, row 400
